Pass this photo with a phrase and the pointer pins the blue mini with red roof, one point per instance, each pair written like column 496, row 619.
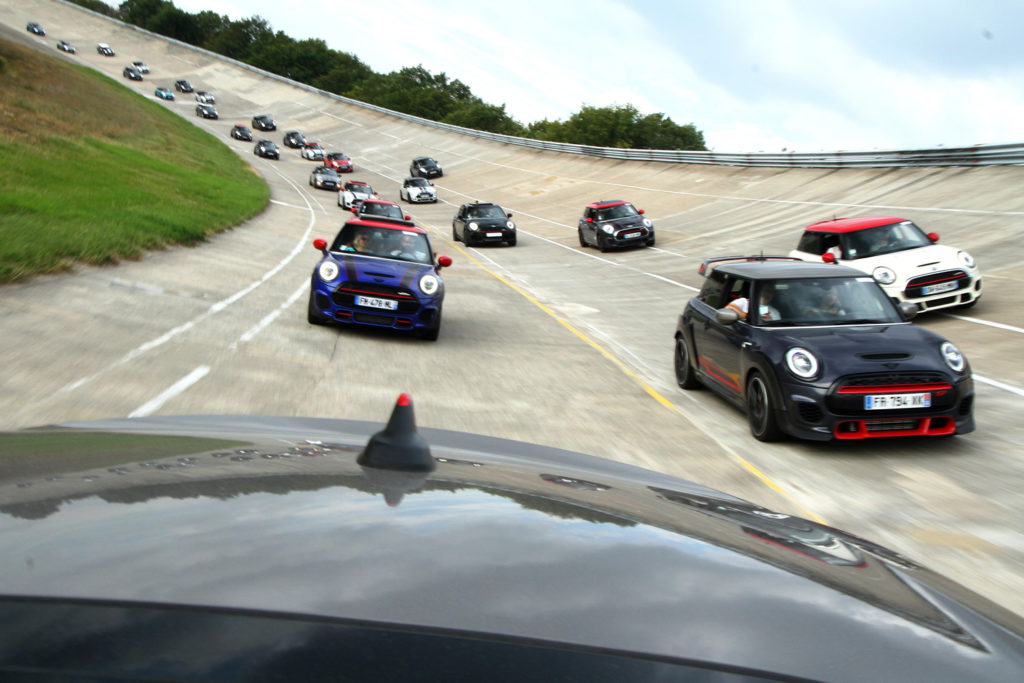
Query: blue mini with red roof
column 614, row 223
column 381, row 273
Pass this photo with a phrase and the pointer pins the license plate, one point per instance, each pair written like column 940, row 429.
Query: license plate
column 374, row 302
column 942, row 287
column 494, row 234
column 630, row 235
column 891, row 401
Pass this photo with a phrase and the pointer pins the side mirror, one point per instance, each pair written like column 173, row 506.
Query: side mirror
column 509, row 214
column 444, row 261
column 589, row 219
column 828, row 257
column 933, row 236
column 321, row 245
column 726, row 316
column 640, row 211
column 909, row 309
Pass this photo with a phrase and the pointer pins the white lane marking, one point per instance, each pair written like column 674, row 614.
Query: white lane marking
column 178, row 387
column 251, row 333
column 979, row 321
column 214, row 308
column 999, row 385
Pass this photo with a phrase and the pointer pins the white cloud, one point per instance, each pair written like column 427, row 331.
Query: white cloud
column 751, row 75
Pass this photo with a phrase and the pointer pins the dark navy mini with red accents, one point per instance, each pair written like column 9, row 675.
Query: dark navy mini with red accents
column 818, row 351
column 379, row 273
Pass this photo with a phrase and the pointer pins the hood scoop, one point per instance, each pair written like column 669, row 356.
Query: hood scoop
column 884, row 356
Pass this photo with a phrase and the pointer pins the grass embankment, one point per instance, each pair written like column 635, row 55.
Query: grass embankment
column 92, row 172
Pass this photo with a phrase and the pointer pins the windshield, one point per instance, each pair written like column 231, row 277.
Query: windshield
column 401, row 245
column 428, row 163
column 489, row 211
column 617, row 211
column 418, row 182
column 329, row 172
column 885, row 239
column 378, row 209
column 359, row 188
column 337, row 156
column 831, row 301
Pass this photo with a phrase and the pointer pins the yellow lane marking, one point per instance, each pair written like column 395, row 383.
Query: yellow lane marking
column 651, row 391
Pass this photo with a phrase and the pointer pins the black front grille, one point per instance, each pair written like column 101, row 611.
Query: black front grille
column 890, row 378
column 852, row 403
column 373, row 319
column 891, row 425
column 346, row 293
column 915, row 287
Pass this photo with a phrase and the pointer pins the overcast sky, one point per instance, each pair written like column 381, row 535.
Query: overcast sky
column 753, row 75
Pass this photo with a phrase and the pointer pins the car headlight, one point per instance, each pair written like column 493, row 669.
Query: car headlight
column 966, row 260
column 608, row 228
column 429, row 284
column 648, row 223
column 884, row 275
column 473, row 226
column 328, row 270
column 510, row 225
column 801, row 362
column 951, row 354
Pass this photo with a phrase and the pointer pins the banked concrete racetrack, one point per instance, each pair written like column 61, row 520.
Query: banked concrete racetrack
column 544, row 342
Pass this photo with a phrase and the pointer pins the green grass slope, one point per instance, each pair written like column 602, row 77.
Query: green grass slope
column 92, row 172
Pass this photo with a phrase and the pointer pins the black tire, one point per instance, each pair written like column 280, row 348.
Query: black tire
column 760, row 413
column 686, row 376
column 583, row 242
column 431, row 333
column 511, row 241
column 313, row 316
column 601, row 244
column 455, row 235
column 650, row 242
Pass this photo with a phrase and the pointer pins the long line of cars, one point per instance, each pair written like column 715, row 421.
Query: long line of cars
column 815, row 345
column 729, row 590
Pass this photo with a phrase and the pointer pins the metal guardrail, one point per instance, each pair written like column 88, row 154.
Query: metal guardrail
column 974, row 155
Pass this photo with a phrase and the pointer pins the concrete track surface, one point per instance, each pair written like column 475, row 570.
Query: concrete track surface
column 544, row 342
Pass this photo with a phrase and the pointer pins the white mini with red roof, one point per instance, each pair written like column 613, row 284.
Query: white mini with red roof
column 907, row 262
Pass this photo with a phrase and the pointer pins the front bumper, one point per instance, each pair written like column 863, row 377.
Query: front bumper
column 837, row 411
column 488, row 235
column 422, row 198
column 635, row 236
column 337, row 303
column 964, row 288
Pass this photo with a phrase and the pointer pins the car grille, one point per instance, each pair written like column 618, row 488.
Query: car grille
column 914, row 288
column 626, row 234
column 846, row 396
column 345, row 295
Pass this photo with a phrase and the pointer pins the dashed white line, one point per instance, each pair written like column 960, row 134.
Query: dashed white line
column 178, row 387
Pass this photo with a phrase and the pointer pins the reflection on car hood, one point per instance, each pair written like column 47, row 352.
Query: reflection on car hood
column 502, row 538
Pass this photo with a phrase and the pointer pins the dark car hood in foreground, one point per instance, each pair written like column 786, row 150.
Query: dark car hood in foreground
column 503, row 538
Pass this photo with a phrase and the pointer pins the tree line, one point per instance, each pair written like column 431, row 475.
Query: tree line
column 411, row 90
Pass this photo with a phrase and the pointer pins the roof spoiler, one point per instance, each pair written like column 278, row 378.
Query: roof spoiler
column 710, row 264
